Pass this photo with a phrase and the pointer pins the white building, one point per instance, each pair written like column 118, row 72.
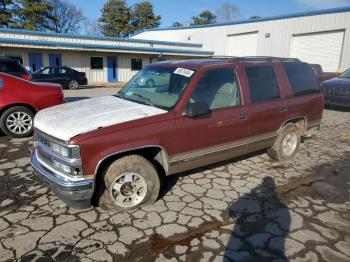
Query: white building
column 321, row 37
column 103, row 59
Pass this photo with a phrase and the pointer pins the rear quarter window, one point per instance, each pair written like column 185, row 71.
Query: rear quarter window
column 8, row 67
column 302, row 79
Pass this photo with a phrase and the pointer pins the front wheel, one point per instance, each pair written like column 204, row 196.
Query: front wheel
column 130, row 181
column 17, row 122
column 286, row 144
column 73, row 85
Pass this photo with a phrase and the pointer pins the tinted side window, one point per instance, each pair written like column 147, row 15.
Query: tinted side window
column 263, row 84
column 218, row 88
column 301, row 78
column 10, row 67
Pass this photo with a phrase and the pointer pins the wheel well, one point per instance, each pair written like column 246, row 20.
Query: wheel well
column 2, row 110
column 156, row 155
column 300, row 122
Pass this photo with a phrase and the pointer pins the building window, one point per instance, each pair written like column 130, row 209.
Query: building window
column 263, row 84
column 96, row 62
column 136, row 64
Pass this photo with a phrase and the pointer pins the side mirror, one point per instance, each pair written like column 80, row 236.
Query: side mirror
column 196, row 109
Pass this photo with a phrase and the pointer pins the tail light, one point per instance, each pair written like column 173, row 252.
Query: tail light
column 26, row 76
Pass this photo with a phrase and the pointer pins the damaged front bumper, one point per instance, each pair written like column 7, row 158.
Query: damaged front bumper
column 76, row 193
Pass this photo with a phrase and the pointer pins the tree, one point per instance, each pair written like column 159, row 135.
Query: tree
column 227, row 12
column 65, row 17
column 6, row 9
column 32, row 14
column 91, row 27
column 177, row 24
column 115, row 18
column 255, row 17
column 143, row 16
column 205, row 17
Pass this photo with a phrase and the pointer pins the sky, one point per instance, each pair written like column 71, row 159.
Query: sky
column 183, row 10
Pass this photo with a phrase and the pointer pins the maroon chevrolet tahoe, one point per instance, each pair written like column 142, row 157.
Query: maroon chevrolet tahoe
column 193, row 113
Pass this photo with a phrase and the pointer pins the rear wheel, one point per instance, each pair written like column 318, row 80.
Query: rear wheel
column 73, row 84
column 286, row 144
column 17, row 122
column 130, row 181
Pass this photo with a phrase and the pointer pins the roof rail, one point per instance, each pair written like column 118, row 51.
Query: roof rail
column 257, row 58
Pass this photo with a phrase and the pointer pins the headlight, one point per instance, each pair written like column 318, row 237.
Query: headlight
column 59, row 149
column 61, row 166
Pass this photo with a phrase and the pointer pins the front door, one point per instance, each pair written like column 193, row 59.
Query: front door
column 55, row 60
column 222, row 133
column 35, row 61
column 112, row 69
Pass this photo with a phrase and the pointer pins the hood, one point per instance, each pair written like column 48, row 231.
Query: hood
column 337, row 82
column 69, row 120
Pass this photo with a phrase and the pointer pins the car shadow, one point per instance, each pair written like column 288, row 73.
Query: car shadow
column 262, row 224
column 170, row 181
column 337, row 108
column 75, row 98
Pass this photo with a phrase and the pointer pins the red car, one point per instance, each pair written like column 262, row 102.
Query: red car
column 208, row 110
column 20, row 100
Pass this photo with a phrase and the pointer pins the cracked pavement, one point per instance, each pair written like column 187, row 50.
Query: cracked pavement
column 246, row 209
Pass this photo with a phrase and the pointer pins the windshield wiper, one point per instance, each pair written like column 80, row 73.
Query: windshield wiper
column 146, row 100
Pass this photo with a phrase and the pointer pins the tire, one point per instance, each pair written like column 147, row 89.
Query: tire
column 150, row 83
column 118, row 190
column 24, row 128
column 73, row 84
column 286, row 144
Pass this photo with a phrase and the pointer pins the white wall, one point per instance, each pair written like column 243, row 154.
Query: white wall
column 80, row 61
column 279, row 42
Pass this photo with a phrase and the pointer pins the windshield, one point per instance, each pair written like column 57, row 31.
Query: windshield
column 346, row 74
column 160, row 87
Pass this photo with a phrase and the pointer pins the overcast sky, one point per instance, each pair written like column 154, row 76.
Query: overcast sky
column 183, row 10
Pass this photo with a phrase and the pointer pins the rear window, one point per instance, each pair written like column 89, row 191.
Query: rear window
column 263, row 85
column 8, row 67
column 302, row 79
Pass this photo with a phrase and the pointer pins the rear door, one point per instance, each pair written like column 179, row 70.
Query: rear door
column 219, row 135
column 45, row 75
column 267, row 108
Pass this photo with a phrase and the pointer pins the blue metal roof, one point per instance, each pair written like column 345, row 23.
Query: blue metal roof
column 29, row 32
column 310, row 13
column 108, row 47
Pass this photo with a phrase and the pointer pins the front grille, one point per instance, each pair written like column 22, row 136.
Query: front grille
column 332, row 91
column 48, row 157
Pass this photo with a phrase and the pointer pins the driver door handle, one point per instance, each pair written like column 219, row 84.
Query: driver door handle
column 243, row 117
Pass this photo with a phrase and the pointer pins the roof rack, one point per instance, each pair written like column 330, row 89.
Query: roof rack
column 257, row 58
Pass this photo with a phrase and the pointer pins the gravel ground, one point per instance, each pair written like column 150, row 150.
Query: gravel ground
column 245, row 209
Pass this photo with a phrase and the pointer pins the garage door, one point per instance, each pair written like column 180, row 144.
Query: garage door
column 242, row 44
column 324, row 49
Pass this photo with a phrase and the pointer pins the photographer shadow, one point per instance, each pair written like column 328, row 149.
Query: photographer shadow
column 262, row 224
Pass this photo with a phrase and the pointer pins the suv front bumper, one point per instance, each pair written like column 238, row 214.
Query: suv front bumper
column 76, row 193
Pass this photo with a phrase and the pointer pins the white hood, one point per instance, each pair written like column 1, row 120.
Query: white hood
column 71, row 119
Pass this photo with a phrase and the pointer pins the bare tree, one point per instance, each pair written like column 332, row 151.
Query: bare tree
column 91, row 27
column 66, row 17
column 227, row 12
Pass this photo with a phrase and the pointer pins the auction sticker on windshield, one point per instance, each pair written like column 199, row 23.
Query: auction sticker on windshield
column 184, row 72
